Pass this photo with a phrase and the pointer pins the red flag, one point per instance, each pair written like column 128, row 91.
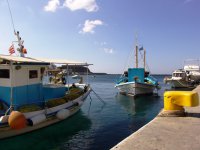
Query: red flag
column 11, row 49
column 24, row 51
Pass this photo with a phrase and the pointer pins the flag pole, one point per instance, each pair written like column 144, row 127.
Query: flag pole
column 136, row 56
column 144, row 59
column 11, row 90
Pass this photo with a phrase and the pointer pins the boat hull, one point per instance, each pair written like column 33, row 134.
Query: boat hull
column 6, row 132
column 134, row 89
column 178, row 83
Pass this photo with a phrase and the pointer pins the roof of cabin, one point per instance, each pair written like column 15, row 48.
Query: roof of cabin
column 61, row 61
column 19, row 59
column 39, row 60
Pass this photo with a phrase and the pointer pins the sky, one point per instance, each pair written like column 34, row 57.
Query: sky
column 103, row 32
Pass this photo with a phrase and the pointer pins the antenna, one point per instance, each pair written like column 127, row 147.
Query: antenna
column 11, row 16
column 19, row 40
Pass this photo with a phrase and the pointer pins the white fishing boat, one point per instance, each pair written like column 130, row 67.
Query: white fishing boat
column 26, row 104
column 76, row 77
column 192, row 68
column 137, row 81
column 188, row 77
column 179, row 79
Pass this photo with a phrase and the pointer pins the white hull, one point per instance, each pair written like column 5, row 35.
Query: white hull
column 195, row 76
column 133, row 89
column 178, row 83
column 6, row 132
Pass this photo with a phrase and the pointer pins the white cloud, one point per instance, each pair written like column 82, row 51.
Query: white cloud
column 108, row 50
column 89, row 26
column 187, row 1
column 103, row 43
column 52, row 5
column 88, row 5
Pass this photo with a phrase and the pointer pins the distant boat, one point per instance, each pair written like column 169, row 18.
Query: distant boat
column 76, row 77
column 137, row 81
column 93, row 76
column 188, row 77
column 179, row 79
column 192, row 68
column 26, row 104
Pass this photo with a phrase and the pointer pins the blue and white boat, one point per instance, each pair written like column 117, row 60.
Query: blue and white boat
column 26, row 104
column 137, row 81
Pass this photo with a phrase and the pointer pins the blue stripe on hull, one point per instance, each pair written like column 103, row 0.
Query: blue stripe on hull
column 27, row 94
column 51, row 93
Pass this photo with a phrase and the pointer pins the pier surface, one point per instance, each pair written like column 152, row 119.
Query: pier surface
column 165, row 133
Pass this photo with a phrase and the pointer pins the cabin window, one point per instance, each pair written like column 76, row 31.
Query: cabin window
column 5, row 73
column 33, row 74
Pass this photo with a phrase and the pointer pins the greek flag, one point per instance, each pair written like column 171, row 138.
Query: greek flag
column 141, row 48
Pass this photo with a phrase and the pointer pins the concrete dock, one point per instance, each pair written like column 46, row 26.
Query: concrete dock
column 167, row 133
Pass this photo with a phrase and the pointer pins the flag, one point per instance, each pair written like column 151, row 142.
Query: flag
column 24, row 51
column 11, row 49
column 141, row 48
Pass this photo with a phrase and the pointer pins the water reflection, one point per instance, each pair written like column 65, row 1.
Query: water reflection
column 134, row 105
column 140, row 109
column 127, row 102
column 52, row 137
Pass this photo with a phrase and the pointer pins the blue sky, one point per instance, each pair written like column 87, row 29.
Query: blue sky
column 102, row 32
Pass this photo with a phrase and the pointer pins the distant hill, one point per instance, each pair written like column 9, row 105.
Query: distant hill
column 79, row 70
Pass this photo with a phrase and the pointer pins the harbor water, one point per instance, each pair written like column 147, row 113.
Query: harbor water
column 97, row 126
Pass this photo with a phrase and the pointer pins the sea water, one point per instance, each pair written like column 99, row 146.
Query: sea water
column 97, row 126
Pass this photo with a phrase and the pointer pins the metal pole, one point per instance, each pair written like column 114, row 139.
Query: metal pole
column 11, row 16
column 11, row 88
column 87, row 74
column 20, row 43
column 68, row 77
column 136, row 56
column 144, row 59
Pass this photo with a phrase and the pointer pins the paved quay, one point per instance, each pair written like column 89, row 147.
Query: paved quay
column 167, row 133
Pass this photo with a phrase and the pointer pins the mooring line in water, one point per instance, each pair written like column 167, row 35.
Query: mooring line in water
column 98, row 96
column 90, row 104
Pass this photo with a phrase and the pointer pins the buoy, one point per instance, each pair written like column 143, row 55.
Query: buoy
column 37, row 119
column 63, row 114
column 4, row 119
column 17, row 120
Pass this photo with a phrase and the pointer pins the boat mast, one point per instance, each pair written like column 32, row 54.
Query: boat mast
column 136, row 56
column 19, row 40
column 144, row 59
column 20, row 43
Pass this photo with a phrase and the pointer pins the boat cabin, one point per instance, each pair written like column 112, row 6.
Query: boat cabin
column 179, row 73
column 21, row 80
column 136, row 74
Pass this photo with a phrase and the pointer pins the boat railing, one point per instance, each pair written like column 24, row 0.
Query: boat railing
column 152, row 80
column 122, row 80
column 192, row 62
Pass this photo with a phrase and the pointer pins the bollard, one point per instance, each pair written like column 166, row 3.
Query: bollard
column 175, row 101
